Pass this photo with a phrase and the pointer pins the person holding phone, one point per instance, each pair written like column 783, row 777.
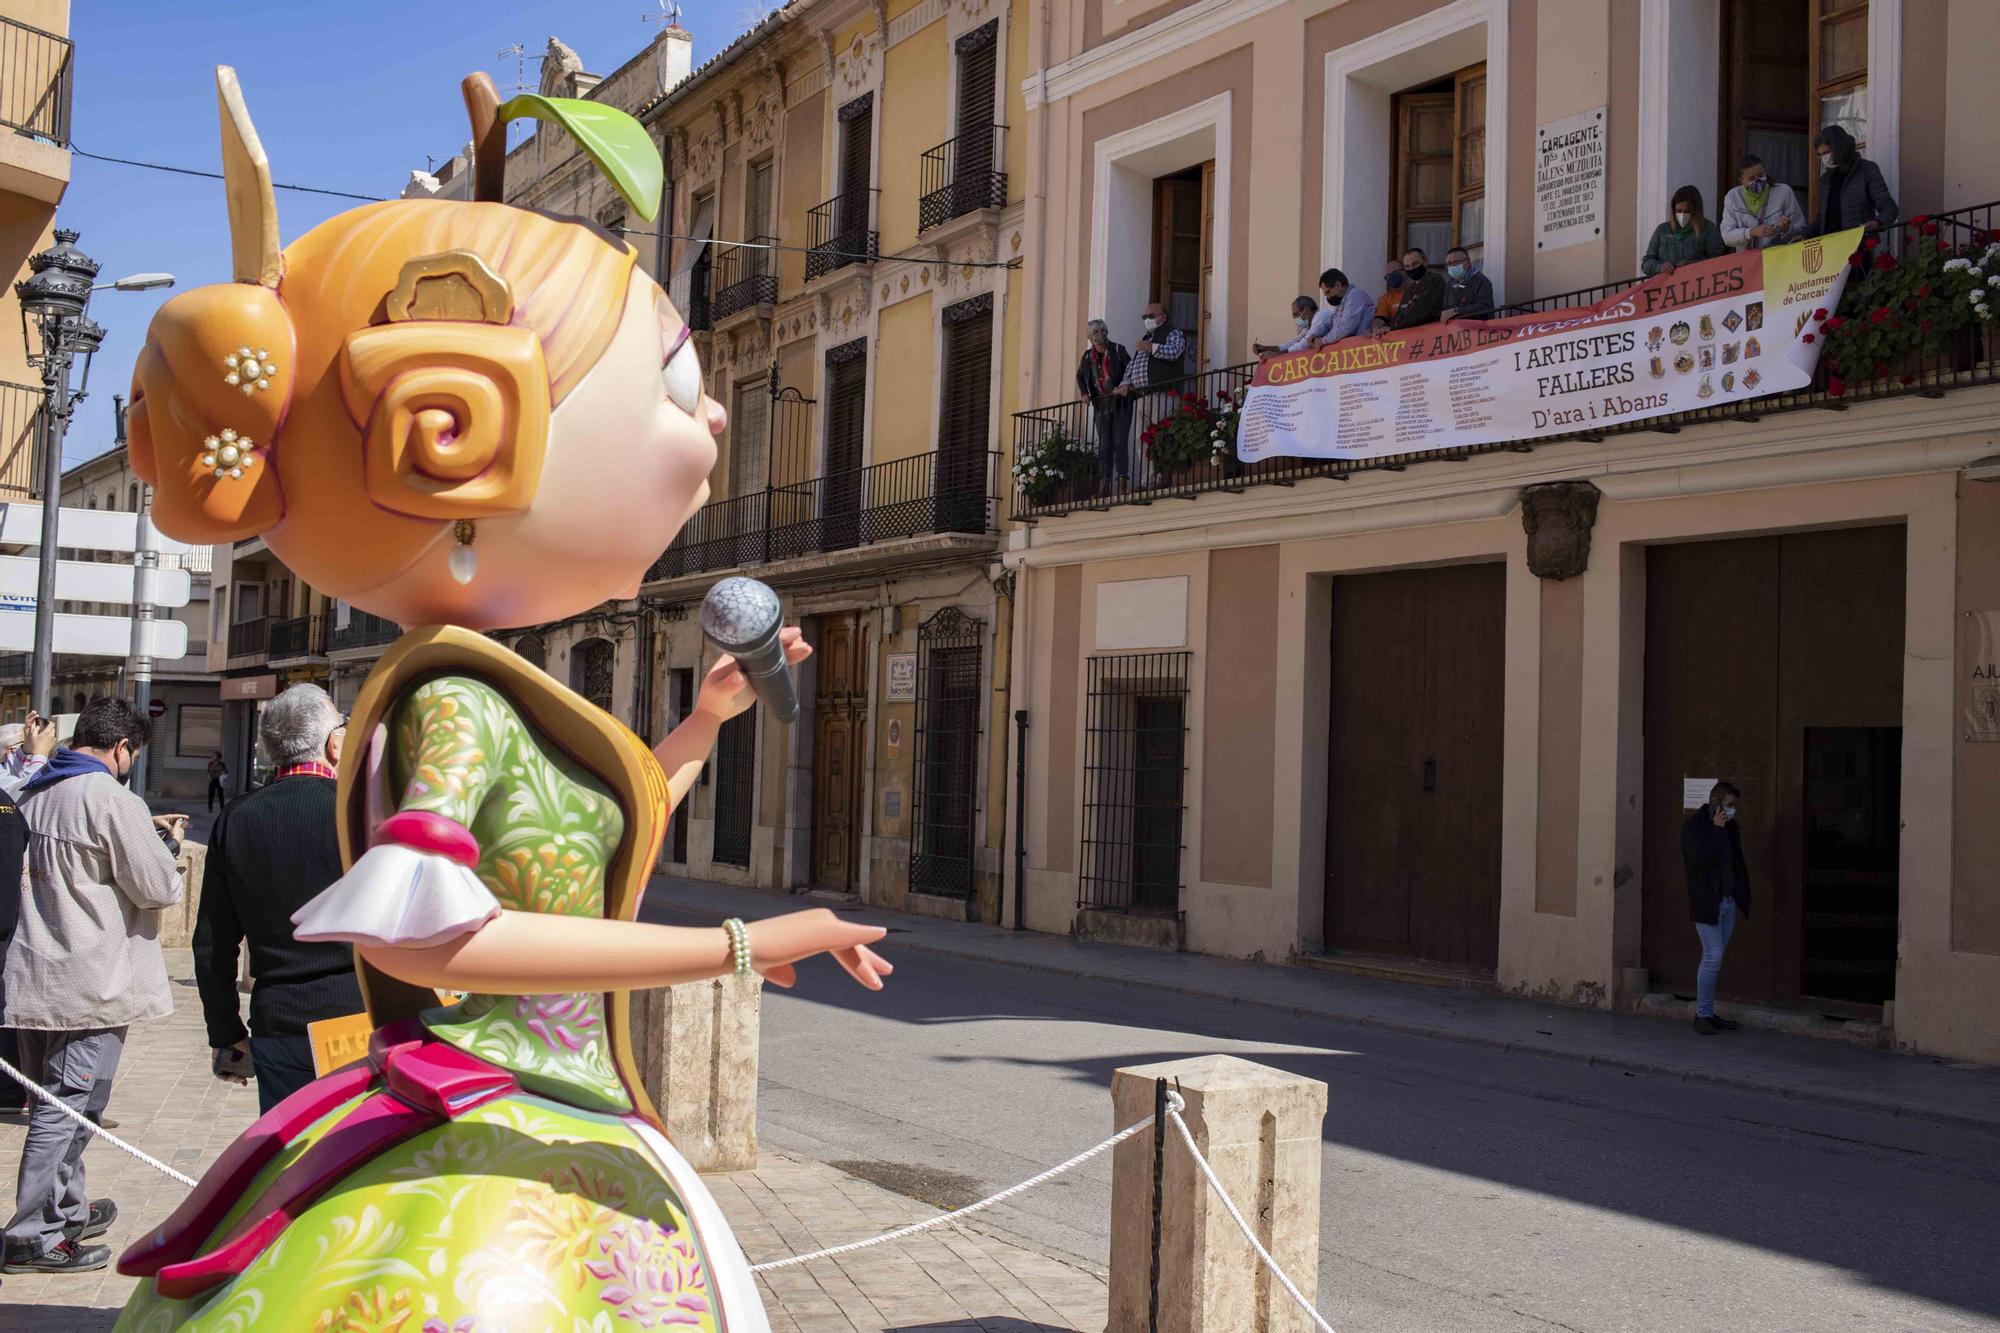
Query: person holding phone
column 1718, row 893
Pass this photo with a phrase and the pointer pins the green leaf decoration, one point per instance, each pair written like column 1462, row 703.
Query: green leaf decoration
column 616, row 142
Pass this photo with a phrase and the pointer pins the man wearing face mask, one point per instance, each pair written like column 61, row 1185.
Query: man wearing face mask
column 1852, row 192
column 1718, row 894
column 84, row 964
column 1760, row 212
column 1468, row 295
column 1424, row 292
column 1305, row 314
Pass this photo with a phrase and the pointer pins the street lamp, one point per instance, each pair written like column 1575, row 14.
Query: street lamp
column 54, row 299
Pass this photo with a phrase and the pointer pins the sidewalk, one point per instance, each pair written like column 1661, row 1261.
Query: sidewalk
column 957, row 1279
column 1828, row 1072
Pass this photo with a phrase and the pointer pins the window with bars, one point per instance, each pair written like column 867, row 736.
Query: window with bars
column 945, row 808
column 591, row 668
column 1134, row 782
column 735, row 776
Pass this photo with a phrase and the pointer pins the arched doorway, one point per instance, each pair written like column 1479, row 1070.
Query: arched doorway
column 533, row 651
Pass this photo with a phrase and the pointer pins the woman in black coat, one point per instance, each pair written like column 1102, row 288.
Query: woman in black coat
column 1852, row 192
column 1102, row 370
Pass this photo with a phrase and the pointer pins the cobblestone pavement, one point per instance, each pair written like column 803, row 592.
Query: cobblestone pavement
column 958, row 1279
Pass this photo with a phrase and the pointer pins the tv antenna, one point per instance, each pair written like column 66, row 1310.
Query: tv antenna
column 520, row 54
column 670, row 14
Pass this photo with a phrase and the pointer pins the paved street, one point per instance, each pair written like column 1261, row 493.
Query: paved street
column 1465, row 1187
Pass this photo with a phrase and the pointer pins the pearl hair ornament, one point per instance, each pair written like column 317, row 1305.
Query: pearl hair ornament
column 229, row 454
column 248, row 369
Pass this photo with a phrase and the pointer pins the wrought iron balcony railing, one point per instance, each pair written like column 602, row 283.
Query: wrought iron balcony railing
column 961, row 176
column 938, row 492
column 840, row 232
column 250, row 638
column 36, row 73
column 745, row 277
column 361, row 631
column 1057, row 448
column 297, row 637
column 23, row 441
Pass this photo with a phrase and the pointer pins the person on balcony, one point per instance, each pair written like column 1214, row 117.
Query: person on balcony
column 1306, row 317
column 1392, row 290
column 1852, row 192
column 1468, row 292
column 1760, row 212
column 1098, row 376
column 1424, row 292
column 1686, row 237
column 1159, row 360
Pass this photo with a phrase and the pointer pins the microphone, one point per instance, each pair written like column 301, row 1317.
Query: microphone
column 742, row 617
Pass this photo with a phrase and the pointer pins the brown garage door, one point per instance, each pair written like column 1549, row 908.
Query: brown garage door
column 1776, row 663
column 1413, row 790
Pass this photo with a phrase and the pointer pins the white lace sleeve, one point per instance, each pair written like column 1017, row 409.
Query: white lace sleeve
column 398, row 896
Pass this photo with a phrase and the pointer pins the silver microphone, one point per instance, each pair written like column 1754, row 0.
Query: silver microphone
column 742, row 617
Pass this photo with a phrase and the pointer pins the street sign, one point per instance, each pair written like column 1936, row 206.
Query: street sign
column 156, row 708
column 99, row 636
column 82, row 581
column 82, row 530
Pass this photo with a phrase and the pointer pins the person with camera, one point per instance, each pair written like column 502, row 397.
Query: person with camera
column 1718, row 893
column 24, row 748
column 85, row 963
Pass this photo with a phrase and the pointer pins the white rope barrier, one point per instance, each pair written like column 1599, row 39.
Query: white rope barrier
column 1174, row 1103
column 38, row 1091
column 1174, row 1114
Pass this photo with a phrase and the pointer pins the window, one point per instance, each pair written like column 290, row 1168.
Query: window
column 945, row 804
column 1183, row 255
column 699, row 288
column 857, row 174
column 964, row 431
column 1840, row 67
column 249, row 602
column 757, row 216
column 972, row 172
column 591, row 667
column 198, row 730
column 533, row 651
column 735, row 774
column 1439, row 196
column 749, row 416
column 1134, row 779
column 1766, row 83
column 846, row 413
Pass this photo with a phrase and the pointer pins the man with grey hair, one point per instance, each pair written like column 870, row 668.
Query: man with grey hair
column 1098, row 375
column 270, row 854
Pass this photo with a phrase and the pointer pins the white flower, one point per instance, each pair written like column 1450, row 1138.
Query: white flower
column 1993, row 281
column 1953, row 265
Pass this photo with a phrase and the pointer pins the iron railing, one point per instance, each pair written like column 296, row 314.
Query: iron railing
column 250, row 638
column 298, row 636
column 1969, row 357
column 1135, row 782
column 361, row 631
column 840, row 232
column 36, row 73
column 937, row 492
column 961, row 176
column 744, row 277
column 23, row 441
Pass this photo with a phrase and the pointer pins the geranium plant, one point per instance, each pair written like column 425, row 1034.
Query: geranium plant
column 1043, row 468
column 1897, row 311
column 1181, row 439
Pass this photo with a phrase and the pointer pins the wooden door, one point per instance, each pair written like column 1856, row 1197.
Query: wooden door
column 1766, row 92
column 680, row 701
column 972, row 165
column 965, row 428
column 1179, row 253
column 1413, row 790
column 1438, row 198
column 1159, row 772
column 1754, row 649
column 840, row 723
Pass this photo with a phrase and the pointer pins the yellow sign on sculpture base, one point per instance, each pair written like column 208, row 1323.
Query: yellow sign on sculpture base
column 337, row 1042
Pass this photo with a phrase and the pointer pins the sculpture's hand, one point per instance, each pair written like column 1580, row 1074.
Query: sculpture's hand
column 776, row 943
column 725, row 690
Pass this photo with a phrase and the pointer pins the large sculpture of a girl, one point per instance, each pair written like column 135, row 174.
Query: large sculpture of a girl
column 463, row 416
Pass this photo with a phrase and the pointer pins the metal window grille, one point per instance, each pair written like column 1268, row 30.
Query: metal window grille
column 533, row 651
column 1134, row 782
column 735, row 772
column 591, row 667
column 944, row 811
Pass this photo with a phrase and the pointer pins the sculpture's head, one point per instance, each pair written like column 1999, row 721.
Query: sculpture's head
column 415, row 378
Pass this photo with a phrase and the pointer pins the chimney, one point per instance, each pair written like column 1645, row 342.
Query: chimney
column 675, row 53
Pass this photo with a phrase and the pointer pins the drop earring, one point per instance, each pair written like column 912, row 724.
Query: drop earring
column 464, row 560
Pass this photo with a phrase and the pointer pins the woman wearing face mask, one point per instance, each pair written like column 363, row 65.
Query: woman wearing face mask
column 1852, row 192
column 1684, row 238
column 1759, row 211
column 1098, row 375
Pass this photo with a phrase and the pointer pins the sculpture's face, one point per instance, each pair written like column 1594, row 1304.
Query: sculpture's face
column 629, row 453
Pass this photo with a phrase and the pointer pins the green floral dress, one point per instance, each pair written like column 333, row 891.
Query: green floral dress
column 552, row 1208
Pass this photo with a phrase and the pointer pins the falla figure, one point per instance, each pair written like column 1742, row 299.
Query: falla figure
column 464, row 416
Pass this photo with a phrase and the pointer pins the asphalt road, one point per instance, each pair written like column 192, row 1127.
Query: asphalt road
column 1462, row 1188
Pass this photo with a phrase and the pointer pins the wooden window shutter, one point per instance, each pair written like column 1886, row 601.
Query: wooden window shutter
column 963, row 416
column 978, row 51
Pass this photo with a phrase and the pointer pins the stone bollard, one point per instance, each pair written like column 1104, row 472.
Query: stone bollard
column 696, row 1046
column 177, row 922
column 1260, row 1129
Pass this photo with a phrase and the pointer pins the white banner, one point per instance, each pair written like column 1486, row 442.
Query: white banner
column 1724, row 330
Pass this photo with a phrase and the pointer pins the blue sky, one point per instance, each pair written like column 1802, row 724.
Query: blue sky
column 346, row 96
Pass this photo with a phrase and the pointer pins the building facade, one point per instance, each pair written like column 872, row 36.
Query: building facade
column 37, row 70
column 1436, row 718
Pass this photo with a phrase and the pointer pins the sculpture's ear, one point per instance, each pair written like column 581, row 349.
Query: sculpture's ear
column 452, row 401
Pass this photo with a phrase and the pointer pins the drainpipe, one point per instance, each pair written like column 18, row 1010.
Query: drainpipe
column 1003, row 688
column 1039, row 201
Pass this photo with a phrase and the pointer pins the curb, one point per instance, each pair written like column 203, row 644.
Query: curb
column 1509, row 1046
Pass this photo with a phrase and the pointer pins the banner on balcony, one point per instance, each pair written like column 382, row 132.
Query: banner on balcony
column 1720, row 331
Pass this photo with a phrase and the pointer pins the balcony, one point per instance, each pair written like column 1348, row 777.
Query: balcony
column 250, row 638
column 23, row 442
column 744, row 282
column 36, row 73
column 297, row 639
column 841, row 232
column 1063, row 436
column 958, row 179
column 934, row 494
column 15, row 668
column 362, row 631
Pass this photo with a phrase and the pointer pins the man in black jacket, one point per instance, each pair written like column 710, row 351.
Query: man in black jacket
column 271, row 853
column 1852, row 192
column 1098, row 375
column 1718, row 893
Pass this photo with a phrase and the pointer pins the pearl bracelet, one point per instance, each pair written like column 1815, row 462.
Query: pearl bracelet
column 739, row 945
